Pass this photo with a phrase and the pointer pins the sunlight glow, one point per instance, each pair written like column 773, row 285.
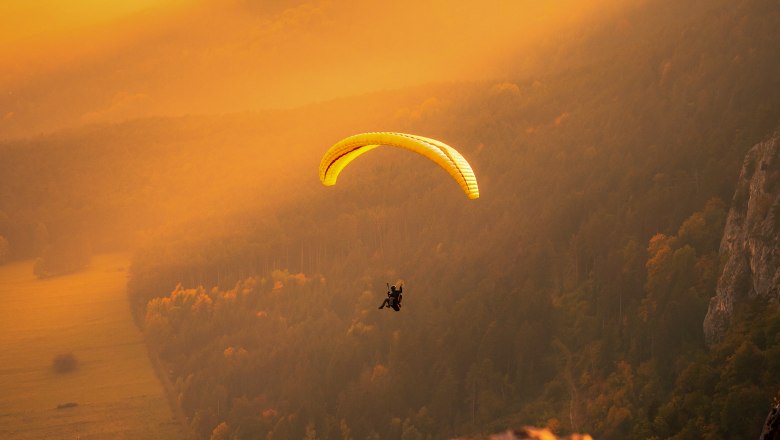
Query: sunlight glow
column 40, row 19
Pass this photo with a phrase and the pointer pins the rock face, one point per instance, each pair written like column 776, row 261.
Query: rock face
column 771, row 429
column 751, row 239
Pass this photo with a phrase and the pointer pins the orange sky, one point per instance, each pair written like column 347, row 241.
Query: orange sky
column 83, row 61
column 47, row 18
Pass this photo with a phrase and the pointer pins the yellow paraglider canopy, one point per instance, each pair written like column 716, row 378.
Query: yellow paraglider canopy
column 346, row 150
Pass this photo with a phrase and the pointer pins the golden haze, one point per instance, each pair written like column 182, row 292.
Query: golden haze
column 67, row 64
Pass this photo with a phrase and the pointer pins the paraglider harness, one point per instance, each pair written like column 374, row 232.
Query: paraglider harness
column 394, row 297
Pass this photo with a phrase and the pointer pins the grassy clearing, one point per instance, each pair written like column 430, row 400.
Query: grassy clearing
column 87, row 314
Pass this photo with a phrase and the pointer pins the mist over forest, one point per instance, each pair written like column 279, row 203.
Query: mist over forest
column 571, row 295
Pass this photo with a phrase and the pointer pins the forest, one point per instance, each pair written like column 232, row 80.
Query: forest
column 571, row 295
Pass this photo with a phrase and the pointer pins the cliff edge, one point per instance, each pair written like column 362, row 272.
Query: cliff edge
column 750, row 239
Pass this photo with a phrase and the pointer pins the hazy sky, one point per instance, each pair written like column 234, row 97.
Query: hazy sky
column 82, row 61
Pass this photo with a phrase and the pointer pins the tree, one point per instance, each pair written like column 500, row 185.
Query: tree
column 221, row 432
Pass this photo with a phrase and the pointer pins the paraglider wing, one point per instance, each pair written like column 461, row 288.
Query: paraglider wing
column 346, row 150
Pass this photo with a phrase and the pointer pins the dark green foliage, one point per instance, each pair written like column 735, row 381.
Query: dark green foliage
column 728, row 390
column 571, row 294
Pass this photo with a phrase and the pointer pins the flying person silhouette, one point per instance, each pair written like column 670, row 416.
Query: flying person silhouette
column 394, row 298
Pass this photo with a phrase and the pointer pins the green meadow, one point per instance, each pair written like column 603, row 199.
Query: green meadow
column 114, row 384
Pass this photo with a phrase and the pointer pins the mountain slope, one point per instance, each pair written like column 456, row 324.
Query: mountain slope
column 750, row 240
column 571, row 294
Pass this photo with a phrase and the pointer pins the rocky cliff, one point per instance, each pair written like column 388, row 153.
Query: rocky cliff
column 750, row 239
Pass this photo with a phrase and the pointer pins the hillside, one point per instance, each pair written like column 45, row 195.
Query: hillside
column 750, row 240
column 571, row 294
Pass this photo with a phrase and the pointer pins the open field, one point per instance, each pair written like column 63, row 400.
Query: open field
column 87, row 314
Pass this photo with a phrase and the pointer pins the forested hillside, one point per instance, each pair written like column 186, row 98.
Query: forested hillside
column 570, row 295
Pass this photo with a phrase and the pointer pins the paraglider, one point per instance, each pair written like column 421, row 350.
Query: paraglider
column 346, row 150
column 394, row 298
